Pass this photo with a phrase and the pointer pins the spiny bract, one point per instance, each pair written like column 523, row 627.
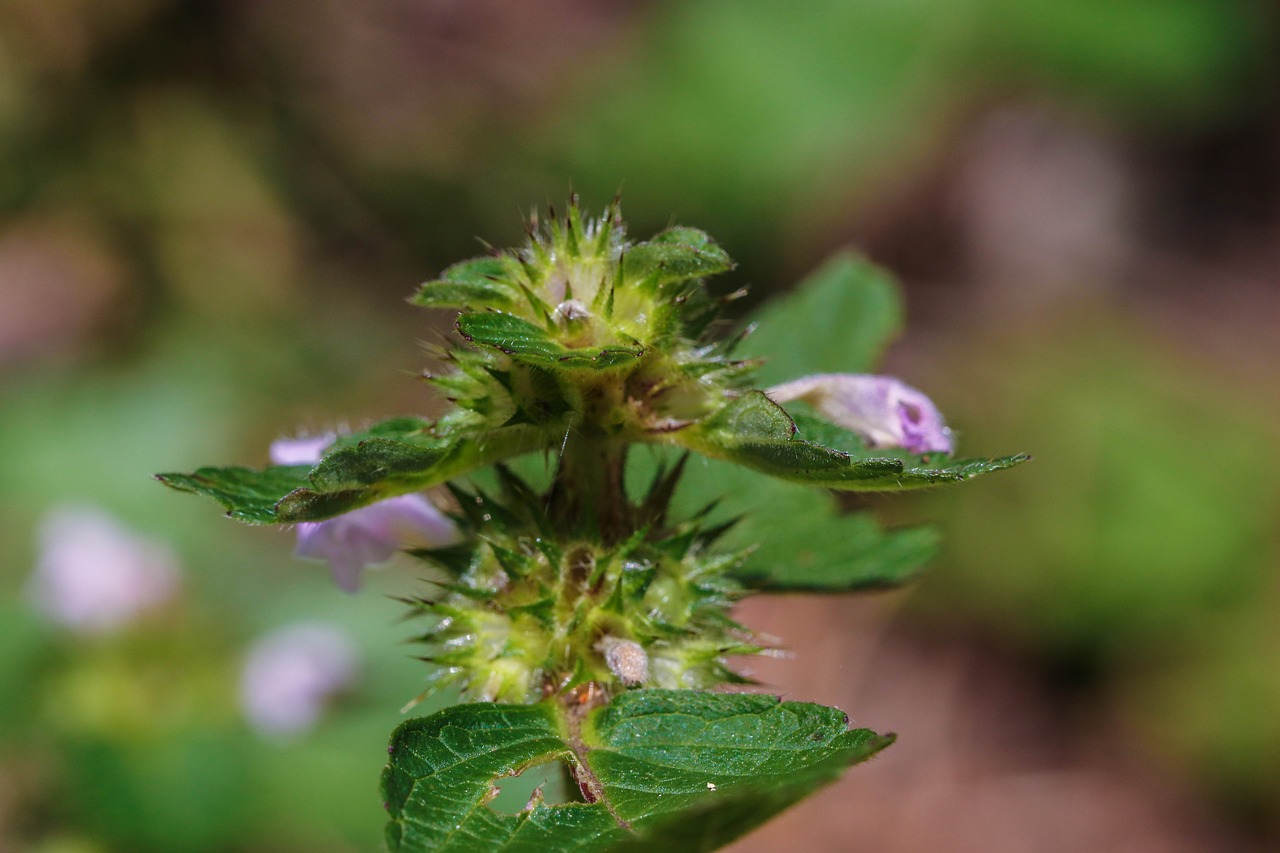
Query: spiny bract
column 581, row 322
column 526, row 614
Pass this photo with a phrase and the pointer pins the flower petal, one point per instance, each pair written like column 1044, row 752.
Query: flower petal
column 368, row 536
column 884, row 411
column 371, row 535
column 300, row 451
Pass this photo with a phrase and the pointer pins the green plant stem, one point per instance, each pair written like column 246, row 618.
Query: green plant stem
column 588, row 496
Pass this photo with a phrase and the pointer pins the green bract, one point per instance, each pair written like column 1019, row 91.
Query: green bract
column 601, row 612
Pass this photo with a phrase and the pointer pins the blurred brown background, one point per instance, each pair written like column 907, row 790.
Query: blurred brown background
column 210, row 214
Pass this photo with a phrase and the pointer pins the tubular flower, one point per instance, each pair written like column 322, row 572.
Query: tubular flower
column 367, row 536
column 884, row 411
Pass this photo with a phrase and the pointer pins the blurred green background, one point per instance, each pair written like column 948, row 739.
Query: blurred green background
column 210, row 214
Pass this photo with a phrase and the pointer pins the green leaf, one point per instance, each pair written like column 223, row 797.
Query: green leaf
column 477, row 283
column 509, row 334
column 672, row 770
column 809, row 547
column 249, row 495
column 391, row 458
column 674, row 256
column 797, row 539
column 754, row 431
column 919, row 470
column 838, row 320
column 532, row 344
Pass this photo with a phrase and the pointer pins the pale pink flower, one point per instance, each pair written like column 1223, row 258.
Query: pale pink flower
column 367, row 536
column 884, row 411
column 291, row 674
column 94, row 576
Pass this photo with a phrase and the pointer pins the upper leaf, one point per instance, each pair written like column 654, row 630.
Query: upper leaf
column 477, row 283
column 679, row 771
column 392, row 458
column 838, row 320
column 754, row 431
column 248, row 494
column 577, row 295
column 530, row 343
column 674, row 256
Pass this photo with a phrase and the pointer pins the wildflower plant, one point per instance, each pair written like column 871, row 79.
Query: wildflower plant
column 586, row 619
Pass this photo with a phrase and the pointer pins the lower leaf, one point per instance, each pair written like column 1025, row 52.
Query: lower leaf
column 676, row 770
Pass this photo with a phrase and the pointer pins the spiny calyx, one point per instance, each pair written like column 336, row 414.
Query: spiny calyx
column 579, row 288
column 529, row 612
column 581, row 325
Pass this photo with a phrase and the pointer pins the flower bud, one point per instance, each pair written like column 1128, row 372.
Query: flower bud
column 572, row 310
column 884, row 411
column 626, row 659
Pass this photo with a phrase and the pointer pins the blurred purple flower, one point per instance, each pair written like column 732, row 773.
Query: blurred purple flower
column 300, row 451
column 884, row 411
column 94, row 576
column 291, row 674
column 367, row 536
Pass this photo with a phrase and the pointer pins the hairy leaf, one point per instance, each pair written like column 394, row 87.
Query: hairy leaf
column 675, row 255
column 532, row 344
column 248, row 494
column 391, row 458
column 478, row 283
column 754, row 431
column 671, row 770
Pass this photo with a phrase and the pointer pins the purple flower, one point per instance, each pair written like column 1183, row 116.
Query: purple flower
column 291, row 674
column 300, row 451
column 367, row 536
column 94, row 576
column 884, row 411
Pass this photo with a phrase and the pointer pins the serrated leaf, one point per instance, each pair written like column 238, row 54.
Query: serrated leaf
column 754, row 431
column 404, row 428
column 673, row 256
column 808, row 547
column 533, row 344
column 798, row 540
column 791, row 538
column 249, row 495
column 509, row 334
column 392, row 458
column 919, row 470
column 838, row 320
column 672, row 770
column 477, row 283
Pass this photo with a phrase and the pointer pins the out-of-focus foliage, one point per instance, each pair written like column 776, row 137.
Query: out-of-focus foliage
column 1143, row 564
column 209, row 213
column 1153, row 516
column 752, row 115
